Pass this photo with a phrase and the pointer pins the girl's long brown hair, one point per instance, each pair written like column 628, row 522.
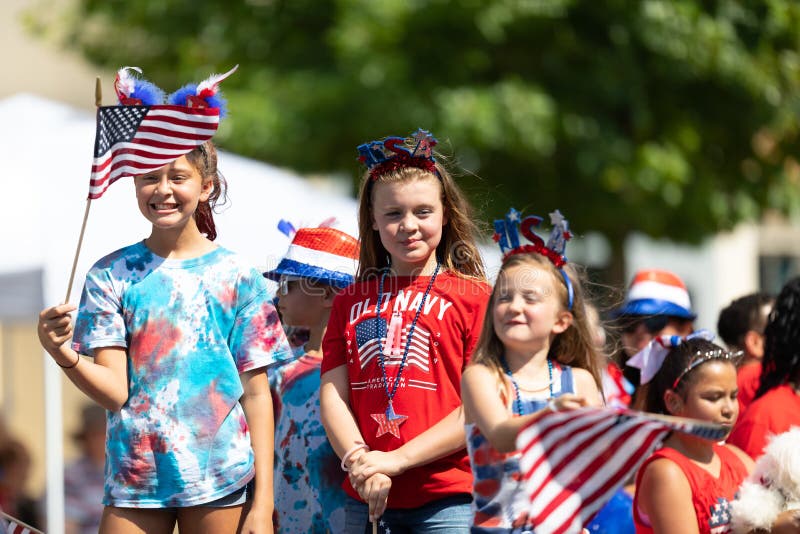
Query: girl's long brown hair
column 573, row 347
column 204, row 159
column 457, row 251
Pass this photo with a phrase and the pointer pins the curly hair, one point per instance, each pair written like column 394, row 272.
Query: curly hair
column 781, row 363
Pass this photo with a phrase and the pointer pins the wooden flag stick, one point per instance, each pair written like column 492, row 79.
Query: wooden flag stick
column 374, row 527
column 98, row 99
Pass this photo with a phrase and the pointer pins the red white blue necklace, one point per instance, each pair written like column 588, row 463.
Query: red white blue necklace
column 389, row 421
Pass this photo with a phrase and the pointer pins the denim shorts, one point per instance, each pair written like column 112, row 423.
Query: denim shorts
column 443, row 516
column 236, row 498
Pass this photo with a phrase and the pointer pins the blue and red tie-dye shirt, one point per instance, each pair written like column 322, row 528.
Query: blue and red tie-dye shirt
column 189, row 327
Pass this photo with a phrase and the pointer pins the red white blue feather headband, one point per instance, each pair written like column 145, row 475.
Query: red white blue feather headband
column 506, row 235
column 133, row 91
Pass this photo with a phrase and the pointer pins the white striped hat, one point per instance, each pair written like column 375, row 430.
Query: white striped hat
column 324, row 255
column 657, row 292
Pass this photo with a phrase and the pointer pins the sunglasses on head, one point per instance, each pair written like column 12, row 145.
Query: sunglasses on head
column 653, row 323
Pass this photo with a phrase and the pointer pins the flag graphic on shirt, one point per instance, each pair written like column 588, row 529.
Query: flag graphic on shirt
column 720, row 520
column 132, row 140
column 573, row 461
column 11, row 525
column 369, row 331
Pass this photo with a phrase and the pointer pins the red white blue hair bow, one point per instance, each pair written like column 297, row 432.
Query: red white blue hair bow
column 652, row 356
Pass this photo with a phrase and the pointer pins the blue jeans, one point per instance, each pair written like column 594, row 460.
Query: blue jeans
column 444, row 516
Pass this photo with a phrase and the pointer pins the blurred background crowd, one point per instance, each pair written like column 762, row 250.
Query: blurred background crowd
column 665, row 130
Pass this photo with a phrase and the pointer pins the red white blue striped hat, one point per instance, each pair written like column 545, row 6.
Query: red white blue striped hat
column 657, row 292
column 324, row 255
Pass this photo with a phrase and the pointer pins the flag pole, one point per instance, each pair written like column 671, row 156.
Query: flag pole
column 98, row 99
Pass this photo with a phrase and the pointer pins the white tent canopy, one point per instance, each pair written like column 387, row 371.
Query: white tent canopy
column 47, row 154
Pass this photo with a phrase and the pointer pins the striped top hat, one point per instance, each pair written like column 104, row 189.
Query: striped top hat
column 657, row 292
column 324, row 255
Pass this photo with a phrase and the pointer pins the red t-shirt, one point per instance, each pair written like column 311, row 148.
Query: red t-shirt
column 748, row 377
column 772, row 413
column 711, row 496
column 430, row 385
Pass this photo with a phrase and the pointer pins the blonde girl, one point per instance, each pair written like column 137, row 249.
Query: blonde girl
column 398, row 340
column 535, row 353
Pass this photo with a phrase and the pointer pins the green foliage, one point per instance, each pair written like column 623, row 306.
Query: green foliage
column 673, row 117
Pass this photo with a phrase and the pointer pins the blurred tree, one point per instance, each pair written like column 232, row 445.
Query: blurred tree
column 676, row 118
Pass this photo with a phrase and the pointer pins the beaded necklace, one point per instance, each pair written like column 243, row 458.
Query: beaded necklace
column 390, row 419
column 518, row 398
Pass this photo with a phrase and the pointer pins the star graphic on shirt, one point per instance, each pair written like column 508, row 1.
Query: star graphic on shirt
column 388, row 426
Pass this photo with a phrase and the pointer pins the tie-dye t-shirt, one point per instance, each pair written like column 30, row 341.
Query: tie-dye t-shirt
column 308, row 479
column 190, row 327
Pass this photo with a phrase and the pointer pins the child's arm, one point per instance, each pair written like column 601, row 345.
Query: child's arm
column 485, row 408
column 337, row 418
column 257, row 405
column 104, row 380
column 665, row 496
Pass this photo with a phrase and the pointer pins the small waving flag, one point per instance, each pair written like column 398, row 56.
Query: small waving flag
column 143, row 133
column 132, row 140
column 573, row 461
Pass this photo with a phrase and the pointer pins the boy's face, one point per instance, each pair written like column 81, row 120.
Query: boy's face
column 300, row 301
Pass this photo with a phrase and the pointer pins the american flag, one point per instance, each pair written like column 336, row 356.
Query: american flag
column 369, row 331
column 11, row 525
column 573, row 461
column 132, row 140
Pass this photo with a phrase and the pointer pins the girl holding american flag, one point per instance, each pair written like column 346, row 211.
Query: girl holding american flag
column 178, row 331
column 535, row 353
column 687, row 485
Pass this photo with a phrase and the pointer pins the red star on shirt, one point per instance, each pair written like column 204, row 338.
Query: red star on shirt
column 388, row 426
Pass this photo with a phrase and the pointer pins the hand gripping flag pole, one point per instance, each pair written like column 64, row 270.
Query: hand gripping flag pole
column 98, row 100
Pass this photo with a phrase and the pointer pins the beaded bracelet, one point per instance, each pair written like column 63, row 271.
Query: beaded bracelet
column 71, row 365
column 348, row 454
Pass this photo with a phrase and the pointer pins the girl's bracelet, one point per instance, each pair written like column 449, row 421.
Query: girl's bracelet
column 71, row 365
column 357, row 447
column 551, row 404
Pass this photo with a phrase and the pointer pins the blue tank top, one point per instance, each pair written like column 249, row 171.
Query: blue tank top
column 499, row 502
